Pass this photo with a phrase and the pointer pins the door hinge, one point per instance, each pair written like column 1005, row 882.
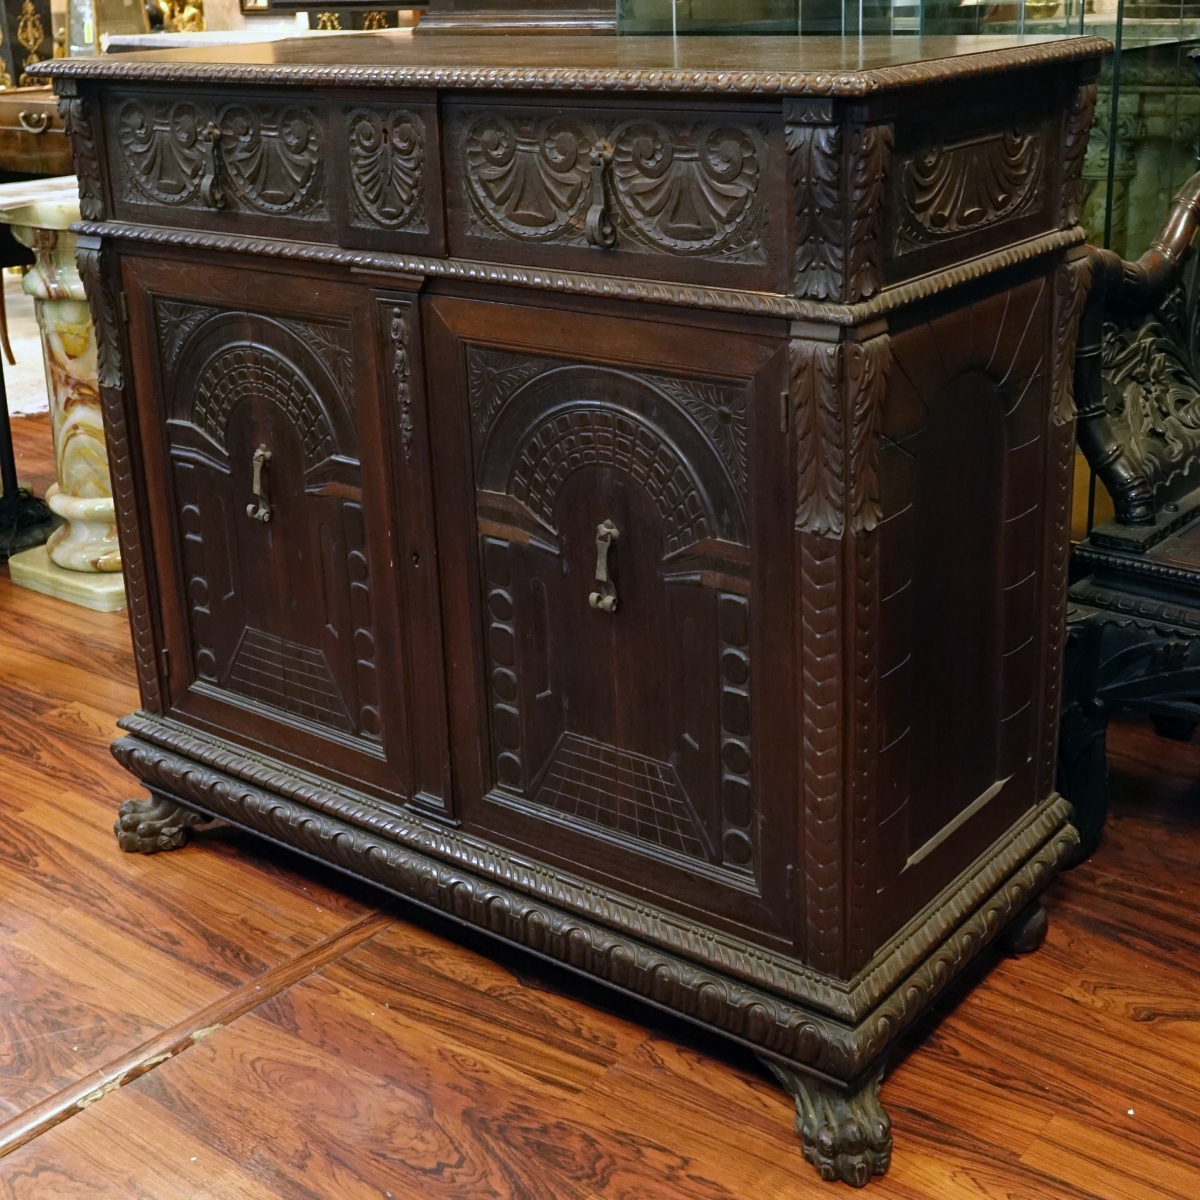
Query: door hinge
column 788, row 876
column 165, row 655
column 784, row 405
column 123, row 301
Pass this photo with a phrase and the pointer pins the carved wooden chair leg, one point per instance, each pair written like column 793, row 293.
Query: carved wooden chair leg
column 845, row 1134
column 160, row 823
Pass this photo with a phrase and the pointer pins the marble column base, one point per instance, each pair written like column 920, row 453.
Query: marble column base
column 102, row 591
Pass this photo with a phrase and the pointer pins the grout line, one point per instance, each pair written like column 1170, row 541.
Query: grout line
column 75, row 1097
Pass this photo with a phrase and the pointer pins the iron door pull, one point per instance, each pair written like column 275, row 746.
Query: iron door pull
column 211, row 191
column 606, row 598
column 261, row 511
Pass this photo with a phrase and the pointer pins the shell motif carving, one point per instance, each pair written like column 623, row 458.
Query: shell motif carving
column 268, row 158
column 387, row 156
column 528, row 177
column 954, row 188
column 680, row 188
column 691, row 189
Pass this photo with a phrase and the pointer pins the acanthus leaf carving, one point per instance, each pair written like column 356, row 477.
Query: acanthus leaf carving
column 77, row 124
column 176, row 321
column 815, row 166
column 819, row 437
column 870, row 152
column 104, row 316
column 720, row 409
column 954, row 188
column 387, row 160
column 1077, row 125
column 866, row 371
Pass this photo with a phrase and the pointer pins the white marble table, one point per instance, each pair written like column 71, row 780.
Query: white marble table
column 82, row 560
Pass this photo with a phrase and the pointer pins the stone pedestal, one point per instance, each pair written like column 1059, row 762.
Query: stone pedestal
column 82, row 560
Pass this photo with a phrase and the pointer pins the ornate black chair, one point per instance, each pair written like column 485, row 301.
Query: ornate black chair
column 1134, row 615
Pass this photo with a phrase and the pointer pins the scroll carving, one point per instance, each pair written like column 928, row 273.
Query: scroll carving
column 398, row 338
column 815, row 165
column 870, row 160
column 819, row 436
column 269, row 156
column 1077, row 124
column 681, row 188
column 1070, row 291
column 957, row 187
column 387, row 160
column 77, row 122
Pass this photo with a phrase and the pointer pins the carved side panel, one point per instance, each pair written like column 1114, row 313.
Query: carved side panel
column 387, row 169
column 248, row 157
column 951, row 188
column 669, row 185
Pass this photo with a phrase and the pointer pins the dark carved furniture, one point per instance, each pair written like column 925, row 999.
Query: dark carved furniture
column 1135, row 618
column 613, row 492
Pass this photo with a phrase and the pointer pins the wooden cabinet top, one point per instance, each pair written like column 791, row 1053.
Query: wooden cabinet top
column 781, row 66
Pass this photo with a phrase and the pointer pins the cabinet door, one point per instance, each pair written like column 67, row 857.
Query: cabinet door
column 626, row 517
column 267, row 483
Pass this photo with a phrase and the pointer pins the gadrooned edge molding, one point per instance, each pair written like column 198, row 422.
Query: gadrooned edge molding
column 849, row 84
column 768, row 1025
column 765, row 304
column 723, row 952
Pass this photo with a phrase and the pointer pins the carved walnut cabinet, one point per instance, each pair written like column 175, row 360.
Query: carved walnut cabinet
column 611, row 491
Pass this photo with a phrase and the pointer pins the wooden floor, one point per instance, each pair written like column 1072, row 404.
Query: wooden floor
column 229, row 1021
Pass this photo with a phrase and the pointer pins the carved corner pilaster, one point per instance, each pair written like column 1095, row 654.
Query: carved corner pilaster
column 837, row 175
column 846, row 1135
column 837, row 395
column 76, row 113
column 1071, row 282
column 89, row 258
column 1077, row 125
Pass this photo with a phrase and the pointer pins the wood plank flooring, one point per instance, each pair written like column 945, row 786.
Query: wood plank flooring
column 230, row 1021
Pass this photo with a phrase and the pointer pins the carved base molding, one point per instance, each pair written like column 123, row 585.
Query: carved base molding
column 797, row 1035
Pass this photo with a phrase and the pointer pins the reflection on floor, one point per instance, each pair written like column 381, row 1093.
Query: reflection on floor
column 354, row 1048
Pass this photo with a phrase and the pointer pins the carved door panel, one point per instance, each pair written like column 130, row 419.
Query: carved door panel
column 283, row 624
column 614, row 503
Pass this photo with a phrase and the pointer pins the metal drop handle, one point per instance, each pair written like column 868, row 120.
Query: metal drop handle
column 211, row 191
column 33, row 122
column 606, row 598
column 261, row 511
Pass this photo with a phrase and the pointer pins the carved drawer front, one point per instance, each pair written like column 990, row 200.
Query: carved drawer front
column 617, row 609
column 357, row 174
column 687, row 195
column 283, row 619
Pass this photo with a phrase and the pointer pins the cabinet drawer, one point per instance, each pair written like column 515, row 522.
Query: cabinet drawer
column 360, row 175
column 660, row 193
column 32, row 139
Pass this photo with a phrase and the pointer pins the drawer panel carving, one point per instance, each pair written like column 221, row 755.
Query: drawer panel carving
column 251, row 157
column 656, row 193
column 386, row 150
